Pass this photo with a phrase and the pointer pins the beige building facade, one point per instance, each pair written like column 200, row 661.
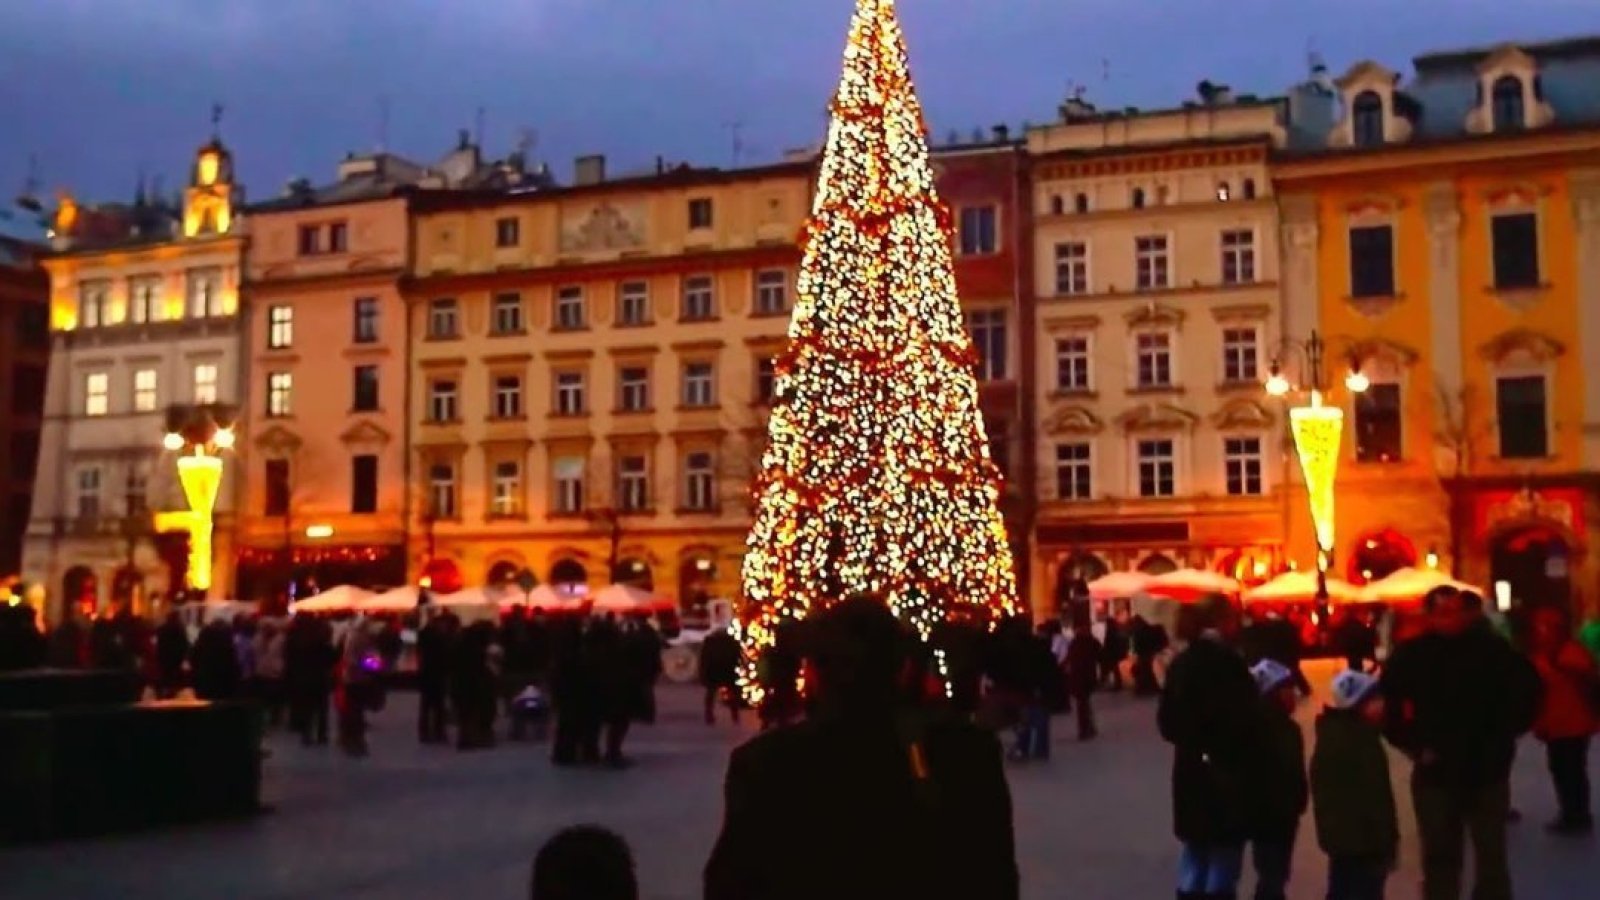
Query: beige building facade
column 1156, row 268
column 591, row 368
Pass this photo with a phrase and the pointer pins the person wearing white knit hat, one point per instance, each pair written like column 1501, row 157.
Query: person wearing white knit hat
column 1281, row 797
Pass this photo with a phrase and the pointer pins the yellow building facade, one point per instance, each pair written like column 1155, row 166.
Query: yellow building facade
column 591, row 367
column 1444, row 237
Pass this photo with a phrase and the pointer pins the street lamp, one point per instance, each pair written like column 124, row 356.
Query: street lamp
column 1317, row 430
column 200, row 474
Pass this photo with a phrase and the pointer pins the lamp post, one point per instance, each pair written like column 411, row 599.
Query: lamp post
column 199, row 462
column 1317, row 430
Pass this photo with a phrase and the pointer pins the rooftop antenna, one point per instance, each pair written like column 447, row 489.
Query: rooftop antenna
column 736, row 131
column 383, row 123
column 1105, row 71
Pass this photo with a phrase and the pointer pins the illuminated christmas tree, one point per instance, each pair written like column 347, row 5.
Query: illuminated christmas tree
column 877, row 474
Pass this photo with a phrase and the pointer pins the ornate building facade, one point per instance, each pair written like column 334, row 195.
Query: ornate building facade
column 145, row 338
column 1155, row 265
column 325, row 495
column 1444, row 235
column 590, row 372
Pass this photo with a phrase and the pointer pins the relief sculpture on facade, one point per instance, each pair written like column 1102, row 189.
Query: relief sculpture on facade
column 605, row 228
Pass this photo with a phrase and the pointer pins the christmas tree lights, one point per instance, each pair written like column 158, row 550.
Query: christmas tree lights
column 877, row 475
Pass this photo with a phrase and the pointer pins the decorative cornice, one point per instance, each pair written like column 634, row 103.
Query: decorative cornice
column 1242, row 413
column 1072, row 323
column 365, row 432
column 1535, row 345
column 446, row 362
column 1242, row 312
column 1074, row 420
column 699, row 346
column 277, row 440
column 1384, row 349
column 635, row 350
column 1154, row 313
column 1157, row 417
column 508, row 359
column 560, row 356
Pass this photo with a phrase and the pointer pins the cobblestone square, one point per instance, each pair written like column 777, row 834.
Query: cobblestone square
column 417, row 822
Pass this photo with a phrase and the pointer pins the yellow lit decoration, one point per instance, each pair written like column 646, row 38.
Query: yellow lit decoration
column 877, row 476
column 1317, row 430
column 201, row 476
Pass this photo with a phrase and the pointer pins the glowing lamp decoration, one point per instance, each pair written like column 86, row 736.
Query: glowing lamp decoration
column 1277, row 384
column 201, row 477
column 1317, row 430
column 172, row 441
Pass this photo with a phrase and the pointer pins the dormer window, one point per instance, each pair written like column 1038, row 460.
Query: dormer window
column 1366, row 119
column 1509, row 114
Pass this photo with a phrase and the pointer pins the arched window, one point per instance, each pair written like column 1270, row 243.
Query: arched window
column 1157, row 564
column 1138, row 198
column 568, row 573
column 1366, row 119
column 1249, row 188
column 503, row 572
column 636, row 572
column 1057, row 205
column 1224, row 191
column 1081, row 203
column 1508, row 111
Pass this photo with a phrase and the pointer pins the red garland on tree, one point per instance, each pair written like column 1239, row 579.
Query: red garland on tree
column 877, row 474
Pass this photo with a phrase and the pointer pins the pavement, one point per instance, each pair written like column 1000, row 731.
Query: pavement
column 430, row 822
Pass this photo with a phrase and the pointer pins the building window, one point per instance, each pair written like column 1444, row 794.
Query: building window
column 144, row 391
column 568, row 473
column 699, row 384
column 94, row 305
column 1379, row 430
column 442, row 491
column 570, row 312
column 1366, row 119
column 1508, row 111
column 1072, row 268
column 136, row 502
column 442, row 398
column 96, row 394
column 1241, row 458
column 1157, row 468
column 633, row 484
column 1074, row 472
column 144, row 300
column 1224, row 192
column 1238, row 257
column 699, row 298
column 507, row 232
column 88, row 493
column 979, row 231
column 1240, row 355
column 310, row 240
column 364, row 392
column 205, row 384
column 280, row 327
column 1058, row 206
column 506, row 492
column 366, row 321
column 1249, row 187
column 338, row 237
column 205, row 293
column 1080, row 203
column 1372, row 261
column 1136, row 198
column 699, row 482
column 280, row 390
column 277, row 483
column 772, row 292
column 507, row 314
column 700, row 213
column 1072, row 363
column 1521, row 411
column 508, row 397
column 569, row 394
column 1154, row 352
column 633, row 303
column 766, row 379
column 1150, row 253
column 363, row 485
column 988, row 330
column 1516, row 251
column 634, row 389
column 444, row 319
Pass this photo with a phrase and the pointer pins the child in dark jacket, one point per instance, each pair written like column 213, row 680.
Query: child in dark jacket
column 1281, row 795
column 1357, row 825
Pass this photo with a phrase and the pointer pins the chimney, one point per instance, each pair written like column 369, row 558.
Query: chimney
column 661, row 165
column 589, row 169
column 1002, row 134
column 463, row 139
column 1077, row 109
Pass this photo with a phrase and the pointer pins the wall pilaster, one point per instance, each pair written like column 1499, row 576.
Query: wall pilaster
column 1585, row 191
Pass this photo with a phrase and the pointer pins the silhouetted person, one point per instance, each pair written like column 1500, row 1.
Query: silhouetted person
column 572, row 690
column 1084, row 656
column 1147, row 641
column 68, row 644
column 172, row 650
column 719, row 673
column 867, row 798
column 309, row 658
column 472, row 687
column 585, row 862
column 433, row 678
column 1114, row 650
column 605, row 658
column 213, row 663
column 1357, row 642
column 21, row 644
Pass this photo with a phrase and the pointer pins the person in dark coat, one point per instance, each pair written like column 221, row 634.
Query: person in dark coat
column 1085, row 655
column 719, row 673
column 572, row 690
column 172, row 651
column 473, row 687
column 605, row 658
column 1354, row 809
column 21, row 644
column 434, row 652
column 1282, row 791
column 778, row 671
column 1277, row 639
column 214, row 664
column 1210, row 713
column 927, row 809
column 308, row 664
column 585, row 862
column 1147, row 642
column 1357, row 641
column 641, row 660
column 1114, row 651
column 1457, row 698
